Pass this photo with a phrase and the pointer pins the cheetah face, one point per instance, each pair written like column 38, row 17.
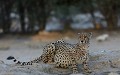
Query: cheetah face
column 84, row 37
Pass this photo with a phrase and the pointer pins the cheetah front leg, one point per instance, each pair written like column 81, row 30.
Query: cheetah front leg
column 50, row 60
column 86, row 68
column 74, row 67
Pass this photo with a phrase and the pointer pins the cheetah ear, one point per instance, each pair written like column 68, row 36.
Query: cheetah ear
column 90, row 34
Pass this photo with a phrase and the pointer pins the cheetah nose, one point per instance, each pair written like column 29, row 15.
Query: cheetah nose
column 82, row 41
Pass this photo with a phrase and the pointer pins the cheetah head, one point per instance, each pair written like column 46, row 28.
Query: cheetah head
column 84, row 37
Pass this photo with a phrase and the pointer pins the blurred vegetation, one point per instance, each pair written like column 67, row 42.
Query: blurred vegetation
column 38, row 11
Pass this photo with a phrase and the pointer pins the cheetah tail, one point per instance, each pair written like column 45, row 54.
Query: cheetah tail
column 24, row 63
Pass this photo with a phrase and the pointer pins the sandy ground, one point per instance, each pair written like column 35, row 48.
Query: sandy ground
column 104, row 57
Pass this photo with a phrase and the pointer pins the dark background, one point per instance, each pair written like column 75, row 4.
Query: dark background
column 32, row 16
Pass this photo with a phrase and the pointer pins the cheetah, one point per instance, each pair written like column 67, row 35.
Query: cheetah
column 54, row 50
column 49, row 52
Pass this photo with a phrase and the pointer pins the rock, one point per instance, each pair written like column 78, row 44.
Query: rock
column 1, row 62
column 102, row 37
column 115, row 63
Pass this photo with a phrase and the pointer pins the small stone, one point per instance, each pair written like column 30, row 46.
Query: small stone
column 103, row 51
column 1, row 62
column 113, row 64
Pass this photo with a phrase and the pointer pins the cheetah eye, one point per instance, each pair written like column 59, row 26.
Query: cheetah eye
column 80, row 36
column 85, row 36
column 82, row 41
column 53, row 43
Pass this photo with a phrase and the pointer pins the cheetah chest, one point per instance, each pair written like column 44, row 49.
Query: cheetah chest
column 81, row 57
column 63, row 60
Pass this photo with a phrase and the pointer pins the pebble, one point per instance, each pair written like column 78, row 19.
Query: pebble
column 1, row 62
